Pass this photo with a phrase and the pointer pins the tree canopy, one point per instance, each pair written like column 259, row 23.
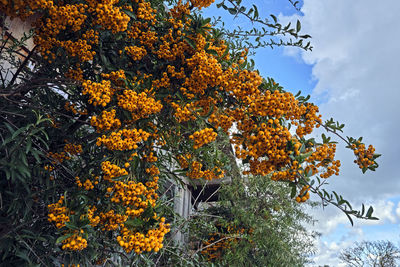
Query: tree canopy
column 371, row 253
column 120, row 98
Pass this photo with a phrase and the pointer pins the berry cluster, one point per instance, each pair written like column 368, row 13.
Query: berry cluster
column 304, row 194
column 323, row 156
column 365, row 157
column 117, row 77
column 111, row 171
column 75, row 242
column 136, row 52
column 140, row 105
column 58, row 213
column 139, row 242
column 123, row 139
column 203, row 137
column 99, row 93
column 106, row 121
column 73, row 149
column 196, row 172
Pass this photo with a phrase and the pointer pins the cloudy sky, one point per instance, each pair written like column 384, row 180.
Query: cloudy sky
column 355, row 66
column 353, row 75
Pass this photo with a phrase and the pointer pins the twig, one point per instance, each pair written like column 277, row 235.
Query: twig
column 4, row 43
column 169, row 188
column 26, row 244
column 212, row 244
column 201, row 191
column 47, row 110
column 11, row 113
column 334, row 132
column 216, row 191
column 22, row 66
column 113, row 251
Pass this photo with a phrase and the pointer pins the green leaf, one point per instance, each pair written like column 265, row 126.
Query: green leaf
column 255, row 11
column 17, row 132
column 350, row 219
column 71, row 226
column 336, row 195
column 232, row 11
column 36, row 154
column 9, row 127
column 22, row 156
column 298, row 26
column 369, row 212
column 104, row 60
column 43, row 142
column 28, row 145
column 62, row 238
column 293, row 193
column 190, row 42
column 24, row 171
column 23, row 256
column 212, row 52
column 375, row 156
column 134, row 222
column 130, row 14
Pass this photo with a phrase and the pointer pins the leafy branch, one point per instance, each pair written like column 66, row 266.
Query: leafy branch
column 338, row 201
column 253, row 38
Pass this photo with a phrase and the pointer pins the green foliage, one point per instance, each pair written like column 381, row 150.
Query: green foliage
column 263, row 32
column 260, row 224
column 25, row 190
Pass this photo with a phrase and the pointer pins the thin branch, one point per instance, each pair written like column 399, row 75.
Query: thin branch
column 47, row 110
column 4, row 43
column 216, row 191
column 26, row 244
column 212, row 244
column 201, row 191
column 120, row 253
column 11, row 113
column 3, row 82
column 26, row 60
column 334, row 132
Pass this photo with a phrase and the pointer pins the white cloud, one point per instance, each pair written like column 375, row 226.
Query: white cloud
column 338, row 234
column 398, row 210
column 384, row 210
column 329, row 253
column 328, row 219
column 356, row 63
column 331, row 217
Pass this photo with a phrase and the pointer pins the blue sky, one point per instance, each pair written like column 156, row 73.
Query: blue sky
column 352, row 74
column 289, row 71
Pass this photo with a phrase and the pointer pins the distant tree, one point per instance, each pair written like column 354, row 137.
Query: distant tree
column 371, row 253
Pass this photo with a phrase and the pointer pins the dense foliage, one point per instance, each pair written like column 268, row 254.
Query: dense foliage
column 117, row 99
column 255, row 224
